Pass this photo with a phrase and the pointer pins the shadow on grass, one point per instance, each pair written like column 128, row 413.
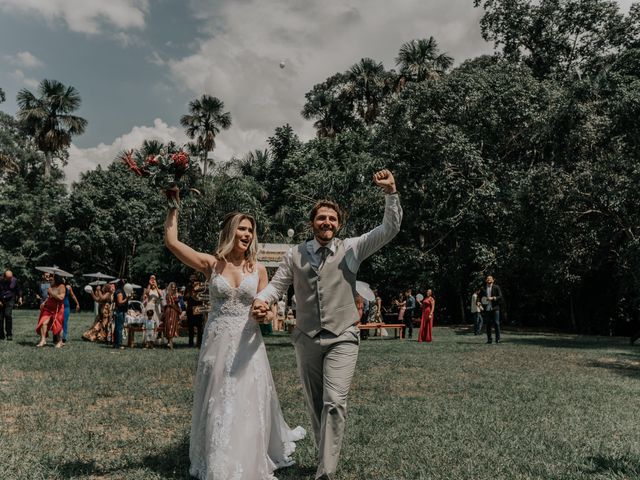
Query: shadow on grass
column 625, row 364
column 619, row 465
column 171, row 463
column 296, row 472
column 579, row 342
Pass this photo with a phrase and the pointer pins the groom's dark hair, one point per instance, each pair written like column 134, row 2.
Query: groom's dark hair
column 327, row 204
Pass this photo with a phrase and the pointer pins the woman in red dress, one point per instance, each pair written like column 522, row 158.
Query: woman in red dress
column 52, row 313
column 426, row 325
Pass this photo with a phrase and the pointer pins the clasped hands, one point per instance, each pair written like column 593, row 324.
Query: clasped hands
column 261, row 311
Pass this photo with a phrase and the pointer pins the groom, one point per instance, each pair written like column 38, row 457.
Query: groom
column 323, row 272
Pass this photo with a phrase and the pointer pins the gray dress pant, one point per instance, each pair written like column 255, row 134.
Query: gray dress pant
column 326, row 364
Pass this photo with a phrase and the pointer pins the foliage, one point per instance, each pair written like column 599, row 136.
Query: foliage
column 49, row 119
column 420, row 60
column 523, row 164
column 557, row 38
column 204, row 121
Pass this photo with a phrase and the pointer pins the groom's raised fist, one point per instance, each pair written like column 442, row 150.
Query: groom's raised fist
column 384, row 179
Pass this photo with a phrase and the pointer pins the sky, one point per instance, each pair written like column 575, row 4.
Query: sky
column 138, row 63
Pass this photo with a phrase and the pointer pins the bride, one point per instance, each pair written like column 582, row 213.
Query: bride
column 237, row 431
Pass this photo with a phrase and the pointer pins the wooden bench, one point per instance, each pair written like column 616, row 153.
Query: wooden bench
column 397, row 327
column 131, row 329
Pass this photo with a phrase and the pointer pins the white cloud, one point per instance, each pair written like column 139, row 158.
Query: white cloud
column 23, row 79
column 238, row 58
column 84, row 16
column 156, row 59
column 83, row 159
column 25, row 60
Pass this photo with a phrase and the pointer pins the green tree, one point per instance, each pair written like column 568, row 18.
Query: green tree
column 421, row 60
column 49, row 120
column 204, row 121
column 368, row 84
column 557, row 38
column 330, row 105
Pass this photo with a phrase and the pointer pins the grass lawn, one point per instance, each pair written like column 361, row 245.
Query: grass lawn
column 533, row 407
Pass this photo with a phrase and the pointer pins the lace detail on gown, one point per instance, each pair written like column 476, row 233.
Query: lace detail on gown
column 238, row 431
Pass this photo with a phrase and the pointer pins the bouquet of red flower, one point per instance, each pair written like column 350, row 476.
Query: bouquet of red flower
column 164, row 171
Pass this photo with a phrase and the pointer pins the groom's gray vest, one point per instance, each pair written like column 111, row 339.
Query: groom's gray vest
column 325, row 298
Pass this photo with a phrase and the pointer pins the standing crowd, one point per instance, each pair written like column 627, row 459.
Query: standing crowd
column 160, row 313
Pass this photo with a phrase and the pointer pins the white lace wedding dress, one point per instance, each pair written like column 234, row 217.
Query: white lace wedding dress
column 237, row 431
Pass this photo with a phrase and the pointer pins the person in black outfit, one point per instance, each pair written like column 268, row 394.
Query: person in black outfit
column 10, row 292
column 194, row 321
column 122, row 305
column 491, row 301
column 409, row 312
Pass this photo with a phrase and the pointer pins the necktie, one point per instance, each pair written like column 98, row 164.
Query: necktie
column 324, row 253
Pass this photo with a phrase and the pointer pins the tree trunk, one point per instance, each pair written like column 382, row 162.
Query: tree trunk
column 48, row 160
column 205, row 161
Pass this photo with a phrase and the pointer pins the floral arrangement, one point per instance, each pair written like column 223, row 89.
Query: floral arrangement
column 164, row 171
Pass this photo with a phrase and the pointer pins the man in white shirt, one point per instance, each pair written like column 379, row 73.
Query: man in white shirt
column 323, row 272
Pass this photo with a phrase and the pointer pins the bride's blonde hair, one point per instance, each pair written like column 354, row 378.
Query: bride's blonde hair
column 226, row 240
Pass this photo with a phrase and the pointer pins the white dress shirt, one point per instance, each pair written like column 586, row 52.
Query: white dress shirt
column 357, row 250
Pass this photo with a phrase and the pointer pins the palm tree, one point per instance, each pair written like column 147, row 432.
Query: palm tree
column 330, row 104
column 204, row 121
column 367, row 82
column 420, row 60
column 48, row 118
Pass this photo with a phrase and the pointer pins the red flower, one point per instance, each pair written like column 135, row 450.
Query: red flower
column 180, row 160
column 128, row 160
column 152, row 160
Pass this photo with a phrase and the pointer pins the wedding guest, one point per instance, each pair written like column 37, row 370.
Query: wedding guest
column 67, row 308
column 401, row 304
column 476, row 311
column 278, row 322
column 149, row 326
column 152, row 301
column 52, row 313
column 492, row 300
column 378, row 310
column 103, row 296
column 408, row 314
column 171, row 314
column 373, row 314
column 10, row 293
column 194, row 321
column 43, row 288
column 121, row 306
column 426, row 323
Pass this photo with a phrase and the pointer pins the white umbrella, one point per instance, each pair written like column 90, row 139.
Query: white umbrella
column 97, row 282
column 135, row 286
column 98, row 275
column 55, row 270
column 365, row 291
column 419, row 297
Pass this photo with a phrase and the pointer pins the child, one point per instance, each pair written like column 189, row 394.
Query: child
column 149, row 330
